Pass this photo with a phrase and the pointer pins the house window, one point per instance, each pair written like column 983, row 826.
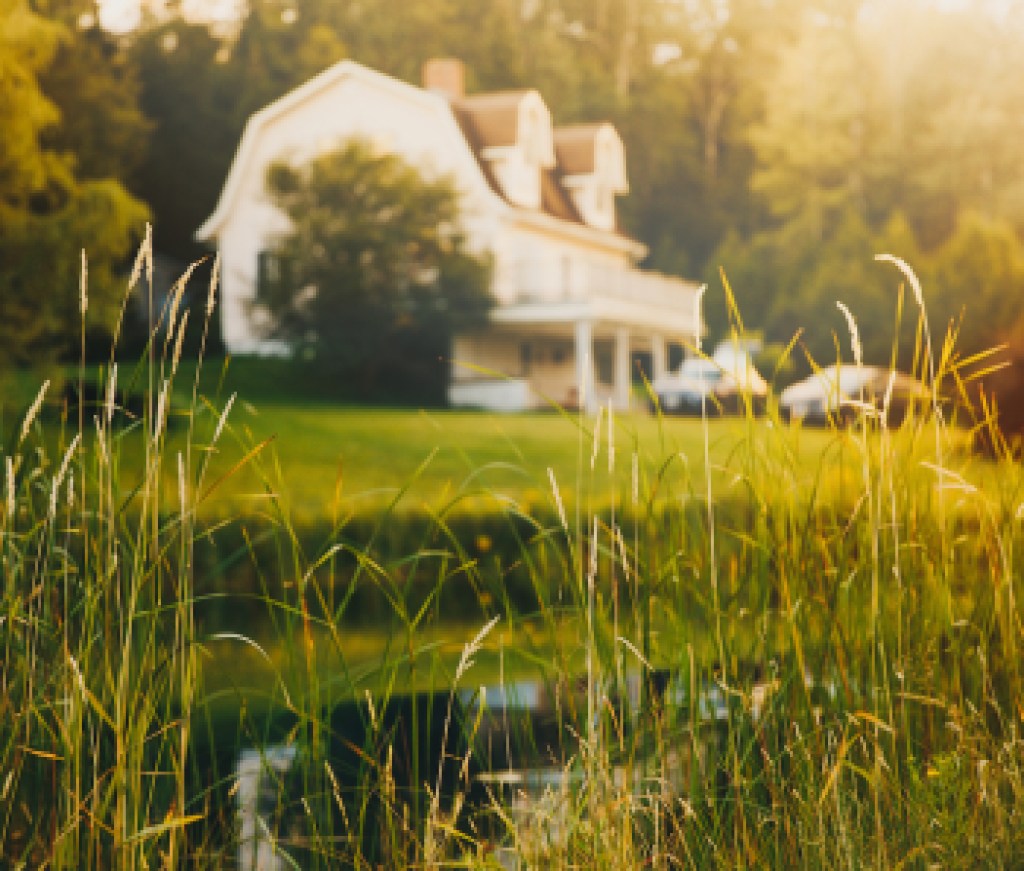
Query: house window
column 531, row 136
column 525, row 358
column 268, row 272
column 604, row 362
column 271, row 272
column 534, row 134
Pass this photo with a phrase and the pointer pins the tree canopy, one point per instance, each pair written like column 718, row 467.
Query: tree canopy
column 784, row 141
column 49, row 212
column 375, row 276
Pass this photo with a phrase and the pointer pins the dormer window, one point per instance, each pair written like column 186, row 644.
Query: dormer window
column 515, row 129
column 520, row 148
column 592, row 160
column 535, row 136
column 604, row 201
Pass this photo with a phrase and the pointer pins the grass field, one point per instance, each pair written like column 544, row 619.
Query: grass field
column 317, row 452
column 372, row 454
column 850, row 599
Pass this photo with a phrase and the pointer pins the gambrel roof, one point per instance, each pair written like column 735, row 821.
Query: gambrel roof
column 491, row 127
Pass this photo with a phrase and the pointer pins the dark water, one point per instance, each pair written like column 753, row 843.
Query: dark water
column 518, row 743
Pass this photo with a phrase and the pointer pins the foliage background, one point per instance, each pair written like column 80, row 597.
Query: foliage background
column 786, row 141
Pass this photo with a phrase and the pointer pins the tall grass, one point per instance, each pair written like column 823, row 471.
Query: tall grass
column 761, row 662
column 100, row 664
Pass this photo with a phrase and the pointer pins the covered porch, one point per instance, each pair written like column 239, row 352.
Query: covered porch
column 573, row 363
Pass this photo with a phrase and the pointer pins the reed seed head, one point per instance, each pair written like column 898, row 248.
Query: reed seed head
column 61, row 472
column 222, row 419
column 179, row 342
column 143, row 258
column 558, row 498
column 111, row 393
column 84, row 284
column 858, row 350
column 908, row 273
column 211, row 299
column 472, row 648
column 9, row 477
column 182, row 490
column 33, row 410
column 161, row 408
column 148, row 248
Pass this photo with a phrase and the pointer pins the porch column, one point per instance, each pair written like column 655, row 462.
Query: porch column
column 585, row 394
column 659, row 357
column 621, row 380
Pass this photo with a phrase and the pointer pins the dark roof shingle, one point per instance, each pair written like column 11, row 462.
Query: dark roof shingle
column 494, row 116
column 574, row 148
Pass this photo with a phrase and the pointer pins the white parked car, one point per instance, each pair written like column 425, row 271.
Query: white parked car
column 835, row 392
column 724, row 380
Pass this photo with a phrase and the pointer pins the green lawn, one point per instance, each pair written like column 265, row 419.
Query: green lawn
column 371, row 455
column 324, row 458
column 368, row 456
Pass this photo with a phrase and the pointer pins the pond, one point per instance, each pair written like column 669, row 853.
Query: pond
column 517, row 745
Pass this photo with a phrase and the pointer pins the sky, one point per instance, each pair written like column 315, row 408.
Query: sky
column 120, row 16
column 995, row 5
column 123, row 15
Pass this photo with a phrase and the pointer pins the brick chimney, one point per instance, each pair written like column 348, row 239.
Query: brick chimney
column 445, row 76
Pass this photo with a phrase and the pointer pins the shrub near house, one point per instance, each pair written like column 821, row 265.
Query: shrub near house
column 374, row 277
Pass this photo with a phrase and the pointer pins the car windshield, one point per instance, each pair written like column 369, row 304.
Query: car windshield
column 698, row 369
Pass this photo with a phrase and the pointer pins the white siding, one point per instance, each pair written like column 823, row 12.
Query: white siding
column 421, row 131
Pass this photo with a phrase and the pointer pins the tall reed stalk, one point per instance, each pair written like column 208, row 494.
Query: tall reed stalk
column 100, row 668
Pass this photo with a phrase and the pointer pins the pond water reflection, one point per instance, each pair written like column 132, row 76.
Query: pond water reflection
column 519, row 745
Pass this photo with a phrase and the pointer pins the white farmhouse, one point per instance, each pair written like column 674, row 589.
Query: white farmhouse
column 571, row 307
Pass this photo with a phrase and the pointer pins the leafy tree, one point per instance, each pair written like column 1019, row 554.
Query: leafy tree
column 811, row 145
column 195, row 130
column 199, row 91
column 690, row 119
column 789, row 279
column 47, row 213
column 93, row 82
column 376, row 276
column 280, row 45
column 977, row 283
column 865, row 144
